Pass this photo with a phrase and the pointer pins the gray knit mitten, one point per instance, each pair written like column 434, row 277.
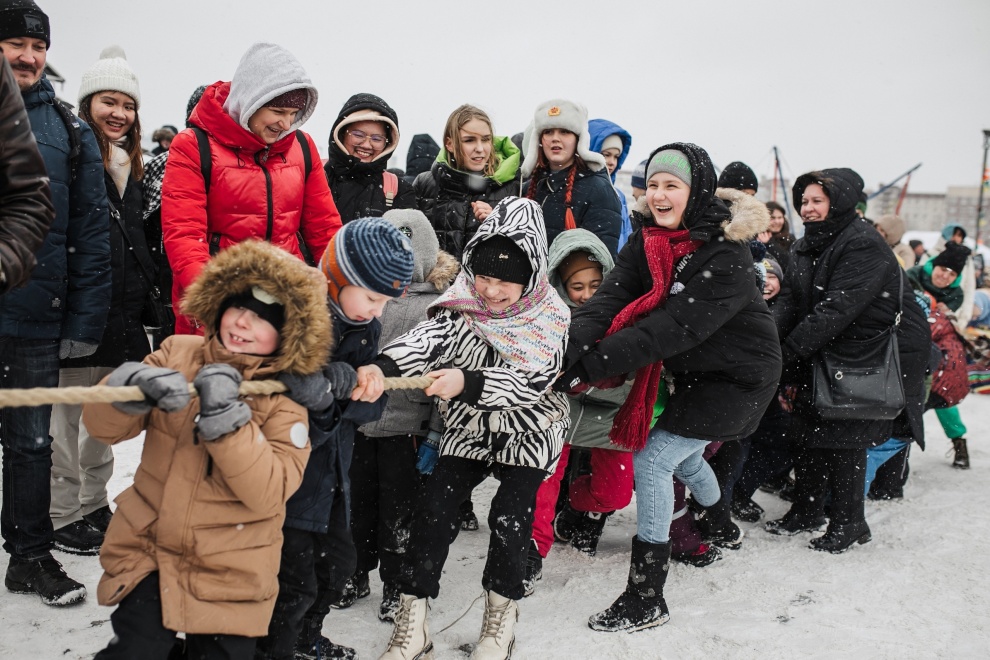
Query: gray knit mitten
column 220, row 410
column 163, row 388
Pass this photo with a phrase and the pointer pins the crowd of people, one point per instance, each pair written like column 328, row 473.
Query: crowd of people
column 579, row 347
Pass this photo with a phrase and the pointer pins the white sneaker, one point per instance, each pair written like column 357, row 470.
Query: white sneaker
column 411, row 635
column 497, row 629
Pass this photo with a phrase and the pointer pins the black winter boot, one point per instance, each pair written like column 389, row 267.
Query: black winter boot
column 794, row 523
column 641, row 605
column 961, row 458
column 469, row 521
column 746, row 510
column 589, row 532
column 716, row 526
column 356, row 587
column 840, row 538
column 534, row 569
column 566, row 523
column 390, row 602
column 312, row 645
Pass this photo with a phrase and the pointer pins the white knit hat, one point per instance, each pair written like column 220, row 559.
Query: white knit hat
column 110, row 73
column 559, row 113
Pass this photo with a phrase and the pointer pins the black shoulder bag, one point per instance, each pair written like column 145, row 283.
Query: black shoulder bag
column 155, row 315
column 861, row 379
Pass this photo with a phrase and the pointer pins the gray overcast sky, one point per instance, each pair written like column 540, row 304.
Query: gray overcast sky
column 876, row 86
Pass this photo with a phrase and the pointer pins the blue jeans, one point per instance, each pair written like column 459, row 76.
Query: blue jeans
column 27, row 448
column 655, row 465
column 877, row 456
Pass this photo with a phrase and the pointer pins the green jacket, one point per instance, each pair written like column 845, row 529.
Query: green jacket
column 921, row 279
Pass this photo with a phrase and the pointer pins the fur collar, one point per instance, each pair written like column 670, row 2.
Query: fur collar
column 444, row 272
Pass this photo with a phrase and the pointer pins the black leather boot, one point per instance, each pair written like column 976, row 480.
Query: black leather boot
column 716, row 526
column 641, row 605
column 589, row 532
column 794, row 523
column 840, row 538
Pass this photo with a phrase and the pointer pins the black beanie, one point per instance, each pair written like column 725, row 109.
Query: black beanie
column 738, row 176
column 258, row 301
column 24, row 18
column 500, row 257
column 953, row 257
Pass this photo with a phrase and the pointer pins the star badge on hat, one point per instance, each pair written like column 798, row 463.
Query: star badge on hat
column 553, row 111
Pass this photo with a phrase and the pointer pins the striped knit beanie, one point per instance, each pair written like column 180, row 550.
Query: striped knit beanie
column 370, row 253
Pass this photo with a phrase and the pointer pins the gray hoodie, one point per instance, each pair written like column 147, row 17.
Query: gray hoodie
column 264, row 72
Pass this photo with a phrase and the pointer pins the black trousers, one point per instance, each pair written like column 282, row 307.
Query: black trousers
column 437, row 521
column 137, row 624
column 312, row 574
column 384, row 492
column 727, row 463
column 841, row 472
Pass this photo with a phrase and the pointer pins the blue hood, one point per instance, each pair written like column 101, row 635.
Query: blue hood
column 599, row 129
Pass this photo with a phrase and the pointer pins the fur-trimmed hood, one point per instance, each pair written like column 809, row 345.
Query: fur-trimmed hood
column 749, row 216
column 444, row 271
column 306, row 337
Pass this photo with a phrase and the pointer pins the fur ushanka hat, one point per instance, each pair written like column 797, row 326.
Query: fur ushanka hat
column 559, row 113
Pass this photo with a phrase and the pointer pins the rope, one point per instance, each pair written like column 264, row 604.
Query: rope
column 44, row 396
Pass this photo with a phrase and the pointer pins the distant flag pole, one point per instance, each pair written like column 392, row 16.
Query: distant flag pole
column 894, row 182
column 778, row 171
column 900, row 199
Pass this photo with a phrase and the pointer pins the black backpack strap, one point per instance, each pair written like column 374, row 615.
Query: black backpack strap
column 205, row 158
column 75, row 136
column 307, row 156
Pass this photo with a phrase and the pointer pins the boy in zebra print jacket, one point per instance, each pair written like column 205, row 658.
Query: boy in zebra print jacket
column 500, row 331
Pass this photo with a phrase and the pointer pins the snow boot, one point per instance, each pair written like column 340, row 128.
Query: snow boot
column 589, row 532
column 356, row 587
column 746, row 510
column 99, row 519
column 839, row 538
column 794, row 523
column 716, row 526
column 703, row 556
column 78, row 538
column 390, row 602
column 641, row 605
column 534, row 569
column 961, row 458
column 322, row 649
column 45, row 577
column 469, row 521
column 497, row 628
column 565, row 523
column 411, row 634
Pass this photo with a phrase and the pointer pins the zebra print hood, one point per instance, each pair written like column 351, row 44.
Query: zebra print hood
column 520, row 220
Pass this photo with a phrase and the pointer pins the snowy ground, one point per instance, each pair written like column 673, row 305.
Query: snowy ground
column 919, row 590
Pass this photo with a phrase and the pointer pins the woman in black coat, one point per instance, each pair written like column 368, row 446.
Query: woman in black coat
column 365, row 133
column 842, row 285
column 684, row 293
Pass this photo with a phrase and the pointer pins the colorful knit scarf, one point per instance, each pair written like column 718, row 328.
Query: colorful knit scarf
column 663, row 247
column 526, row 335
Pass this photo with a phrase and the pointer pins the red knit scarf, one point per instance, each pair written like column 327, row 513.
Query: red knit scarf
column 663, row 247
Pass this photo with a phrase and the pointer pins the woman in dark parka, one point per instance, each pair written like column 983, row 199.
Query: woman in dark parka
column 683, row 293
column 842, row 285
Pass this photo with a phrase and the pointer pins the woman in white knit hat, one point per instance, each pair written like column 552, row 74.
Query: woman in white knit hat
column 109, row 97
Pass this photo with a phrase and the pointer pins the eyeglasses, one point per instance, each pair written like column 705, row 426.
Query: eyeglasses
column 361, row 136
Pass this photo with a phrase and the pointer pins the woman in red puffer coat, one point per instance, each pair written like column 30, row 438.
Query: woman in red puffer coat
column 265, row 178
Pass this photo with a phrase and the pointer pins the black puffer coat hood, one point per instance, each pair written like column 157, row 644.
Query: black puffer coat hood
column 705, row 213
column 364, row 107
column 843, row 186
column 422, row 152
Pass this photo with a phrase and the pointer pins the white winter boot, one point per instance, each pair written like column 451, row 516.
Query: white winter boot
column 497, row 628
column 411, row 635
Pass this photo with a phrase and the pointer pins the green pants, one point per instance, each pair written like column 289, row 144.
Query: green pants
column 951, row 422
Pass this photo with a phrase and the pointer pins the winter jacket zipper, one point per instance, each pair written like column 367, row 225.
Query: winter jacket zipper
column 268, row 194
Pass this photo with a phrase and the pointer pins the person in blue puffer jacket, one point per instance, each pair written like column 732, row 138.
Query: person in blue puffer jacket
column 613, row 142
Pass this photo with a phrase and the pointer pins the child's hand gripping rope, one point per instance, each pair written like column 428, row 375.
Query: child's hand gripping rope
column 162, row 388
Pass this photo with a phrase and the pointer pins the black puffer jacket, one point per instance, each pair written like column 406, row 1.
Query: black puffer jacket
column 445, row 195
column 124, row 338
column 842, row 285
column 594, row 204
column 715, row 335
column 357, row 187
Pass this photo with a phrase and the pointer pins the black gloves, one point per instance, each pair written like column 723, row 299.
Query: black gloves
column 313, row 392
column 571, row 379
column 165, row 388
column 342, row 377
column 220, row 410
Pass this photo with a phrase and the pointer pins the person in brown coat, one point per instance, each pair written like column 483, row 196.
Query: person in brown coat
column 194, row 544
column 26, row 209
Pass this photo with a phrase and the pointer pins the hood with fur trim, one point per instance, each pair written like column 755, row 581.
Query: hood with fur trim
column 748, row 216
column 366, row 107
column 444, row 272
column 559, row 113
column 265, row 71
column 306, row 336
